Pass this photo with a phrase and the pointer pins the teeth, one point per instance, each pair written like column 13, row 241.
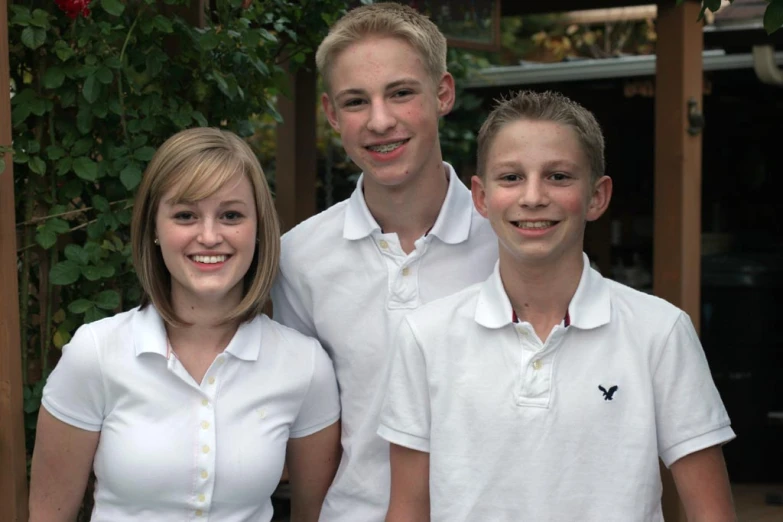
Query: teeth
column 388, row 147
column 533, row 224
column 209, row 259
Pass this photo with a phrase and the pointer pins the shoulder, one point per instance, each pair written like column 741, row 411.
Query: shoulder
column 631, row 300
column 108, row 329
column 321, row 228
column 650, row 315
column 289, row 341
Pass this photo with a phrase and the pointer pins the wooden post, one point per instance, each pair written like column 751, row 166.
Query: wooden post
column 296, row 149
column 677, row 214
column 13, row 458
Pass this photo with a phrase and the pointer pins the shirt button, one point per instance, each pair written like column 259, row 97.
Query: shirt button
column 204, row 474
column 211, row 380
column 204, row 425
column 384, row 244
column 201, row 497
column 537, row 364
column 205, row 448
column 199, row 513
column 219, row 360
column 406, row 271
column 204, row 402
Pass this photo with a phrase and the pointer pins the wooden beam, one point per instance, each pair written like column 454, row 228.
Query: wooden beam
column 295, row 175
column 13, row 458
column 677, row 205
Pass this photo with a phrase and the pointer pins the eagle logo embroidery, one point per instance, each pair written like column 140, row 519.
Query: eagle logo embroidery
column 608, row 394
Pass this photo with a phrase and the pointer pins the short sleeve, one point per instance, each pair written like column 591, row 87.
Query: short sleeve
column 405, row 416
column 288, row 305
column 689, row 412
column 321, row 404
column 74, row 392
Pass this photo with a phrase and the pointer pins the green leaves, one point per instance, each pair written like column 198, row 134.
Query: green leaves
column 33, row 37
column 131, row 176
column 91, row 89
column 65, row 273
column 773, row 16
column 53, row 78
column 113, row 7
column 85, row 168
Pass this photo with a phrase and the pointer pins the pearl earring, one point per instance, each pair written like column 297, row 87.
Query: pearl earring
column 156, row 241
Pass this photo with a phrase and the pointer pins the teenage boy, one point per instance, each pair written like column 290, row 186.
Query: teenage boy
column 547, row 392
column 408, row 234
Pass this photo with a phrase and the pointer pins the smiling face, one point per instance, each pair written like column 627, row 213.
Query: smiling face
column 208, row 245
column 537, row 192
column 383, row 103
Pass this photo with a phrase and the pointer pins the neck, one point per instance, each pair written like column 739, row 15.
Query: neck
column 207, row 331
column 409, row 210
column 540, row 293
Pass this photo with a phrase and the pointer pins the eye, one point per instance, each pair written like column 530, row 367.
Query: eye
column 184, row 216
column 560, row 176
column 510, row 177
column 232, row 215
column 402, row 93
column 353, row 102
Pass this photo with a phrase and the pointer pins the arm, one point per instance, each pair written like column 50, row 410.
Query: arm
column 312, row 462
column 410, row 485
column 703, row 486
column 62, row 461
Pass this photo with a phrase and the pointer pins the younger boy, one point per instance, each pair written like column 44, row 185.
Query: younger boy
column 407, row 235
column 547, row 393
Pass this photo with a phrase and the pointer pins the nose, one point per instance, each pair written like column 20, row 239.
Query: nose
column 533, row 193
column 382, row 118
column 210, row 234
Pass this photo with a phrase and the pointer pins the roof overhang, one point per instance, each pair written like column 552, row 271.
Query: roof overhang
column 596, row 69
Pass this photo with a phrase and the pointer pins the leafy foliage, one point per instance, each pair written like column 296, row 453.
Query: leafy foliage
column 773, row 15
column 97, row 86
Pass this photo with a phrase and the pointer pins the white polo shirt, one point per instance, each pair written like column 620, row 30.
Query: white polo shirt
column 172, row 449
column 568, row 429
column 345, row 282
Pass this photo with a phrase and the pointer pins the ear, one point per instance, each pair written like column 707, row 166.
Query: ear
column 479, row 195
column 331, row 112
column 599, row 201
column 446, row 94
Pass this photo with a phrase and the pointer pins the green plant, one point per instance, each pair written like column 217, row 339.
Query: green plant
column 773, row 14
column 97, row 86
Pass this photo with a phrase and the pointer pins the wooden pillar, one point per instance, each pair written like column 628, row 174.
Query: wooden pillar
column 13, row 459
column 295, row 176
column 677, row 214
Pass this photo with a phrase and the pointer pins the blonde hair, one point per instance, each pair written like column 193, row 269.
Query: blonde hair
column 385, row 19
column 545, row 106
column 195, row 164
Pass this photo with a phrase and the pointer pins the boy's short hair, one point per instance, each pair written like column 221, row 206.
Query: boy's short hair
column 385, row 19
column 544, row 106
column 195, row 164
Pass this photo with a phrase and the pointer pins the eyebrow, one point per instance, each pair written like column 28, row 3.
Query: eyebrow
column 511, row 164
column 221, row 204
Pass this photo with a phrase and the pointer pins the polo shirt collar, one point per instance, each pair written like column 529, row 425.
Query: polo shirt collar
column 591, row 305
column 452, row 225
column 149, row 336
column 589, row 308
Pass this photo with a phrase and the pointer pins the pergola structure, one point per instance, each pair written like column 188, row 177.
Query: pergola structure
column 677, row 197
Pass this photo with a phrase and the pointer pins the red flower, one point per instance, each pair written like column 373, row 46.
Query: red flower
column 74, row 8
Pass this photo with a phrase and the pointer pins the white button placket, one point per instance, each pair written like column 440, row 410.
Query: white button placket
column 403, row 274
column 205, row 479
